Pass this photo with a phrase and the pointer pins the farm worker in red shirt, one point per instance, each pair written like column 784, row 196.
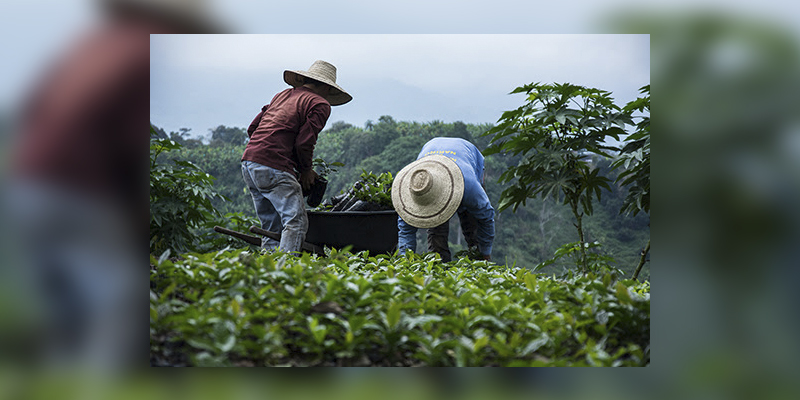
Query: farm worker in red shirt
column 277, row 162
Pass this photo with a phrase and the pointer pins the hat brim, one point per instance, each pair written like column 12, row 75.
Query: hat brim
column 337, row 95
column 449, row 184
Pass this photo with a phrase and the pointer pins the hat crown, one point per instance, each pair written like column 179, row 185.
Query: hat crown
column 420, row 187
column 323, row 69
column 421, row 182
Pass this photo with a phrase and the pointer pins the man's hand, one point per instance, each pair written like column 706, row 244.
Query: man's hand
column 307, row 178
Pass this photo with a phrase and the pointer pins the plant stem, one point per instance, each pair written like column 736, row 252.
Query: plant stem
column 579, row 226
column 642, row 259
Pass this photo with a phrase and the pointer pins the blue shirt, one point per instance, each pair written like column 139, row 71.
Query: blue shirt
column 475, row 200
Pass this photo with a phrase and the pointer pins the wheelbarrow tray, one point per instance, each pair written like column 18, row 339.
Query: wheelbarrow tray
column 375, row 231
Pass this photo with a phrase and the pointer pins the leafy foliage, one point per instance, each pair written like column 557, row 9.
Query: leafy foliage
column 223, row 162
column 210, row 240
column 223, row 135
column 555, row 131
column 528, row 237
column 635, row 159
column 595, row 261
column 180, row 199
column 324, row 169
column 375, row 188
column 236, row 308
column 554, row 140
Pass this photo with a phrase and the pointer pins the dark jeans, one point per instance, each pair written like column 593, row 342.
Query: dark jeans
column 437, row 236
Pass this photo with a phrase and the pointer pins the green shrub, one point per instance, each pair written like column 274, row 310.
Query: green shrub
column 234, row 308
column 180, row 198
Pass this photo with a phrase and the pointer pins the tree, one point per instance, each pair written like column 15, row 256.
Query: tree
column 222, row 135
column 183, row 138
column 460, row 131
column 635, row 159
column 339, row 126
column 554, row 131
column 181, row 135
column 158, row 132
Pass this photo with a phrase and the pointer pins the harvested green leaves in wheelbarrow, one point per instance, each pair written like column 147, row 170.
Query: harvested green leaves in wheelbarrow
column 370, row 193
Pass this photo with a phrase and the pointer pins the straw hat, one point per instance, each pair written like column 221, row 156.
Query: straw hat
column 427, row 192
column 324, row 72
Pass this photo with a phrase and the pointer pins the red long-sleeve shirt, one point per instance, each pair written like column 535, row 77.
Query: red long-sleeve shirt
column 283, row 135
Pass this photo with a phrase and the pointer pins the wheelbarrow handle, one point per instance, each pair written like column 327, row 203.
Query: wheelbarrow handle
column 311, row 248
column 254, row 240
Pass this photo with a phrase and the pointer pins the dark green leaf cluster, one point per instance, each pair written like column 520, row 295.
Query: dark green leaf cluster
column 223, row 135
column 634, row 158
column 210, row 240
column 383, row 146
column 555, row 131
column 180, row 198
column 324, row 168
column 223, row 162
column 375, row 188
column 529, row 236
column 596, row 261
column 234, row 308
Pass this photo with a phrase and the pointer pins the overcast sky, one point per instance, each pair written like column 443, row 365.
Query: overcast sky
column 202, row 81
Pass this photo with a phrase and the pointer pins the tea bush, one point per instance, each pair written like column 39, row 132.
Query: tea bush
column 236, row 308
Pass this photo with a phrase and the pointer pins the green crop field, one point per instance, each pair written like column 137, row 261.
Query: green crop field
column 237, row 308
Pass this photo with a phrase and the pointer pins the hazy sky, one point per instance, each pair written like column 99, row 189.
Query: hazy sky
column 464, row 77
column 201, row 81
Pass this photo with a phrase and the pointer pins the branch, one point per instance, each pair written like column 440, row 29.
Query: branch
column 642, row 259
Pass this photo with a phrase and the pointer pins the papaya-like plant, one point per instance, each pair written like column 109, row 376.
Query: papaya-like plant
column 634, row 158
column 557, row 131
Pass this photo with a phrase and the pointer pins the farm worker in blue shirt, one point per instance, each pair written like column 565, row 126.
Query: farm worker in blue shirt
column 446, row 178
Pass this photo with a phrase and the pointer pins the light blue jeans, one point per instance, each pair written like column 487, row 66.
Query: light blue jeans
column 278, row 199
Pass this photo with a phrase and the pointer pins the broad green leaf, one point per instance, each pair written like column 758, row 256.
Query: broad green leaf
column 622, row 293
column 534, row 345
column 421, row 320
column 393, row 315
column 164, row 256
column 480, row 343
column 530, row 281
column 228, row 344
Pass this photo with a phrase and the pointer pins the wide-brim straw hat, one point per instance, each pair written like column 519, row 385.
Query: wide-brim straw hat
column 324, row 72
column 427, row 192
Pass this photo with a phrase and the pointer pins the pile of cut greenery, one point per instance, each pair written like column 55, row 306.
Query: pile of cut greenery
column 370, row 193
column 236, row 308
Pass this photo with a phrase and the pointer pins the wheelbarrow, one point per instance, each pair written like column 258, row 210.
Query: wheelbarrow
column 374, row 231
